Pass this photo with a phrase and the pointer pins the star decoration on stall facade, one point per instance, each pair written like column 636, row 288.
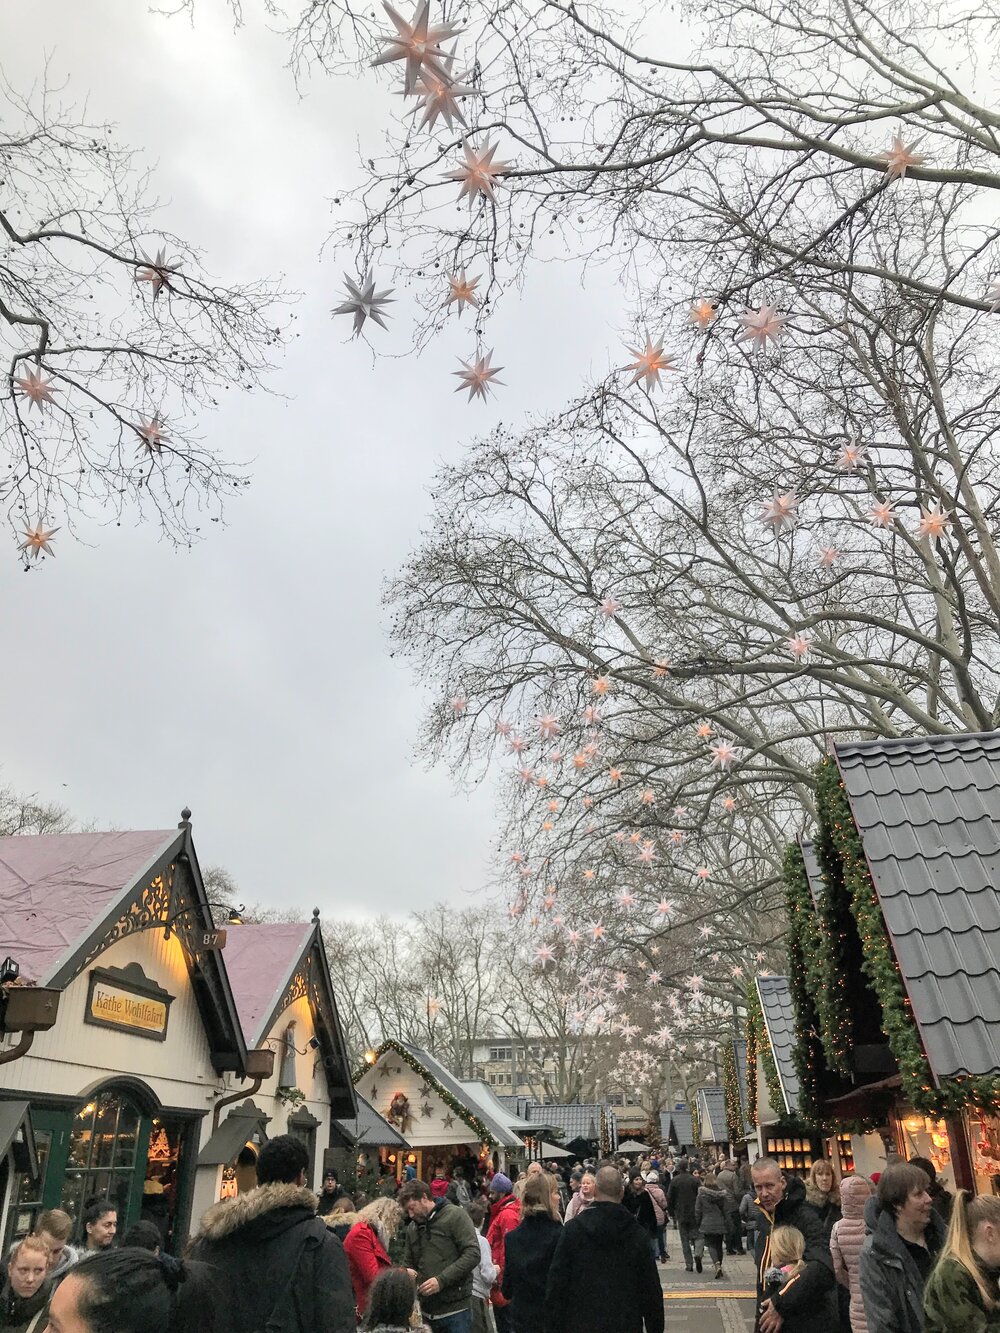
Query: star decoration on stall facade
column 36, row 541
column 462, row 290
column 364, row 302
column 762, row 326
column 448, row 1121
column 899, row 157
column 480, row 173
column 478, row 376
column 36, row 388
column 425, row 1091
column 651, row 360
column 427, row 1110
column 417, row 43
column 157, row 272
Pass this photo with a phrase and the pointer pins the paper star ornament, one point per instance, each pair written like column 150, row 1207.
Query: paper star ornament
column 36, row 388
column 609, row 607
column 544, row 954
column 462, row 290
column 762, row 326
column 157, row 272
column 651, row 361
column 850, row 458
column 458, row 704
column 723, row 755
column 780, row 511
column 480, row 173
column 478, row 376
column 150, row 433
column 503, row 728
column 933, row 522
column 36, row 541
column 596, row 931
column 661, row 668
column 701, row 314
column 439, row 94
column 799, row 645
column 703, row 730
column 416, row 43
column 899, row 157
column 601, row 685
column 548, row 727
column 364, row 302
column 827, row 556
column 882, row 515
column 664, row 907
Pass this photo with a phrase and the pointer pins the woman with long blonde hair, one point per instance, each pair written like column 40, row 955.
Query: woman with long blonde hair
column 367, row 1246
column 963, row 1292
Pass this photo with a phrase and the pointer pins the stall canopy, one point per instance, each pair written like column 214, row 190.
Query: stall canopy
column 550, row 1150
column 631, row 1146
column 17, row 1137
column 677, row 1128
column 368, row 1129
column 243, row 1124
column 779, row 1020
column 712, row 1115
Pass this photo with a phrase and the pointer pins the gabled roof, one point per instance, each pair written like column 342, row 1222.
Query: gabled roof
column 577, row 1120
column 370, row 1130
column 779, row 1019
column 481, row 1119
column 677, row 1127
column 260, row 960
column 814, row 875
column 58, row 889
column 712, row 1115
column 928, row 811
column 517, row 1127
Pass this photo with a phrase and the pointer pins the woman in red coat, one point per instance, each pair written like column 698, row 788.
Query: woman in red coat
column 367, row 1246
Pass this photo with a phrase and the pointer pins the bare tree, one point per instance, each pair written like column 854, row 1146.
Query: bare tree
column 118, row 341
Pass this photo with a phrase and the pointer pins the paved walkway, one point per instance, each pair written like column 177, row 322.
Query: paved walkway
column 696, row 1303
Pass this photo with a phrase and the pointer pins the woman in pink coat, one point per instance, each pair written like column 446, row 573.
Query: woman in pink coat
column 845, row 1243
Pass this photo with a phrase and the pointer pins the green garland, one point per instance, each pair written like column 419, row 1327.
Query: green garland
column 731, row 1090
column 695, row 1124
column 758, row 1043
column 880, row 966
column 803, row 940
column 831, row 975
column 451, row 1101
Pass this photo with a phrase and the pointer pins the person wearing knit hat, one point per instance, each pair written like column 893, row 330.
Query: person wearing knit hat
column 500, row 1185
column 505, row 1215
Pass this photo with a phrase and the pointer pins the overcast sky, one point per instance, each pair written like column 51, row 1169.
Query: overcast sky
column 250, row 678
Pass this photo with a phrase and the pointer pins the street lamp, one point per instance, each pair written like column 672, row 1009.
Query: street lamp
column 211, row 939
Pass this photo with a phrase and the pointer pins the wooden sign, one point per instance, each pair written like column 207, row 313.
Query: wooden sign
column 209, row 940
column 125, row 999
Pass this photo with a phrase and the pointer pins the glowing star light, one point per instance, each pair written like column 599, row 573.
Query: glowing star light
column 480, row 173
column 661, row 668
column 701, row 314
column 648, row 797
column 601, row 685
column 799, row 645
column 548, row 727
column 779, row 512
column 651, row 361
column 151, row 436
column 580, row 760
column 544, row 954
column 503, row 728
column 439, row 95
column 703, row 872
column 664, row 907
column 458, row 704
column 762, row 326
column 882, row 515
column 36, row 540
column 434, row 1006
column 417, row 43
column 899, row 157
column 850, row 458
column 527, row 775
column 615, row 776
column 933, row 522
column 703, row 730
column 626, row 899
column 157, row 272
column 364, row 302
column 647, row 855
column 478, row 376
column 827, row 556
column 596, row 931
column 609, row 607
column 462, row 290
column 993, row 296
column 36, row 389
column 723, row 755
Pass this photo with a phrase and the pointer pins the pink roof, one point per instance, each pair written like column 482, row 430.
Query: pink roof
column 259, row 961
column 56, row 887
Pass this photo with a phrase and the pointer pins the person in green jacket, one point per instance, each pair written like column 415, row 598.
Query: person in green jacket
column 442, row 1253
column 963, row 1292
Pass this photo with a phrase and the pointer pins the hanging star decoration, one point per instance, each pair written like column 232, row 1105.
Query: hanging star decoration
column 827, row 556
column 517, row 745
column 478, row 376
column 762, row 326
column 36, row 388
column 850, row 458
column 544, row 955
column 626, row 899
column 479, row 174
column 417, row 43
column 647, row 855
column 651, row 361
column 723, row 755
column 882, row 515
column 703, row 730
column 933, row 522
column 364, row 302
column 548, row 727
column 664, row 907
column 609, row 607
column 899, row 157
column 158, row 272
column 601, row 685
column 434, row 1006
column 439, row 93
column 661, row 668
column 701, row 313
column 503, row 728
column 151, row 436
column 799, row 645
column 780, row 511
column 458, row 704
column 36, row 541
column 462, row 290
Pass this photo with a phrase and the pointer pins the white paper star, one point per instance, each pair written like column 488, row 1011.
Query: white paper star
column 364, row 302
column 417, row 43
column 478, row 376
column 480, row 173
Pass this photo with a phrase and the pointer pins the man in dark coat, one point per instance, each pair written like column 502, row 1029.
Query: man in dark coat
column 810, row 1296
column 681, row 1198
column 603, row 1277
column 905, row 1237
column 274, row 1262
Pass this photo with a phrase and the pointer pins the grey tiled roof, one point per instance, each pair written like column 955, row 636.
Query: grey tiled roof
column 740, row 1051
column 676, row 1127
column 467, row 1098
column 369, row 1129
column 580, row 1120
column 813, row 873
column 779, row 1019
column 712, row 1115
column 928, row 810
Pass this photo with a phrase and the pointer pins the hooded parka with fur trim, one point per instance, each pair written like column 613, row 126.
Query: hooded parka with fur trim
column 276, row 1266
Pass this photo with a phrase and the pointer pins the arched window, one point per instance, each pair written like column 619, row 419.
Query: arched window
column 103, row 1144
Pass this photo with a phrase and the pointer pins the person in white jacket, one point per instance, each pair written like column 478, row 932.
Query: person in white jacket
column 484, row 1276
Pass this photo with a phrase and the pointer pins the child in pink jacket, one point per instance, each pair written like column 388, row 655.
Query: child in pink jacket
column 845, row 1243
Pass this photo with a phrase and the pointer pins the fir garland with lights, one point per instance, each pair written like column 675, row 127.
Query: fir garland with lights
column 449, row 1099
column 731, row 1091
column 880, row 966
column 803, row 936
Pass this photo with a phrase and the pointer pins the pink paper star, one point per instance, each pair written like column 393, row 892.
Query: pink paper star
column 626, row 899
column 933, row 522
column 728, row 803
column 580, row 760
column 680, row 811
column 762, row 326
column 648, row 797
column 661, row 668
column 574, row 936
column 591, row 716
column 850, row 458
column 462, row 290
column 601, row 685
column 779, row 511
column 654, row 978
column 703, row 730
column 651, row 361
column 703, row 872
column 417, row 43
column 503, row 728
column 151, row 435
column 827, row 556
column 609, row 607
column 516, row 858
column 478, row 376
column 701, row 313
column 723, row 755
column 882, row 515
column 615, row 776
column 589, row 874
column 548, row 727
column 596, row 931
column 439, row 94
column 36, row 540
column 736, row 971
column 898, row 157
column 458, row 704
column 549, row 901
column 588, row 801
column 517, row 745
column 36, row 388
column 664, row 907
column 157, row 272
column 544, row 954
column 527, row 775
column 676, row 837
column 553, row 807
column 799, row 645
column 480, row 173
column 695, row 983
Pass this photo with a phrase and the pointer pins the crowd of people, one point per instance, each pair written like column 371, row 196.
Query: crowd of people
column 548, row 1251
